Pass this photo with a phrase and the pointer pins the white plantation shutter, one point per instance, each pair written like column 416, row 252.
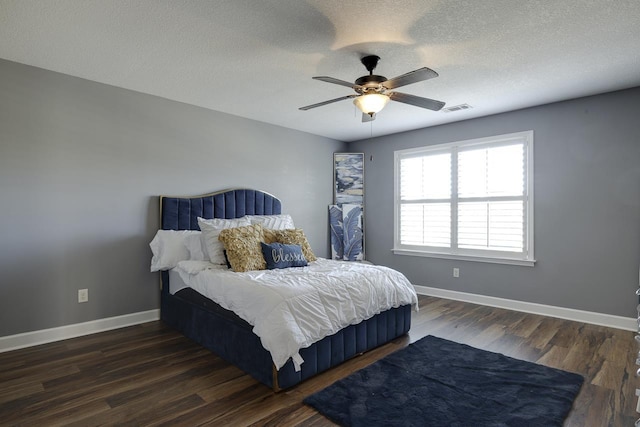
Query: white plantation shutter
column 425, row 181
column 490, row 193
column 491, row 225
column 472, row 198
column 491, row 171
column 426, row 177
column 426, row 224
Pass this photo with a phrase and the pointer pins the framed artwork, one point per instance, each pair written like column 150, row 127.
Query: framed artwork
column 348, row 177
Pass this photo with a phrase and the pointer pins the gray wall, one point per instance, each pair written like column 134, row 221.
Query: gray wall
column 587, row 205
column 81, row 166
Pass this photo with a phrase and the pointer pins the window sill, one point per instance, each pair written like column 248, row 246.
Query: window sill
column 491, row 260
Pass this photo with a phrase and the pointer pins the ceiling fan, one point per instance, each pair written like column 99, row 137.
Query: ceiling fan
column 373, row 91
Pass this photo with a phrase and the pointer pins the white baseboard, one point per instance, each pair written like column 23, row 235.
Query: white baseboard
column 610, row 320
column 44, row 336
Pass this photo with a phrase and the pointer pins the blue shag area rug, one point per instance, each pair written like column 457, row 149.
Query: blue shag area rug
column 435, row 382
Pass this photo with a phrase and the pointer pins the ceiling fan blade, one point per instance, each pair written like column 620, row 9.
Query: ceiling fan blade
column 417, row 101
column 367, row 118
column 320, row 104
column 411, row 77
column 336, row 81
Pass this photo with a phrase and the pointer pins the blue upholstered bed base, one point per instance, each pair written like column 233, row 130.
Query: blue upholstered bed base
column 230, row 337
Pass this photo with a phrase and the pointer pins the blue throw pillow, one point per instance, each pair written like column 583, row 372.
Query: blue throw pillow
column 278, row 255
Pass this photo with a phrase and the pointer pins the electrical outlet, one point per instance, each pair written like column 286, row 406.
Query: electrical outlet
column 456, row 272
column 83, row 295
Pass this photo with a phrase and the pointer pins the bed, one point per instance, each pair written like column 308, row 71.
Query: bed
column 232, row 338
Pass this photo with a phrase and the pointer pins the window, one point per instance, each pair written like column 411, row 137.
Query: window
column 467, row 200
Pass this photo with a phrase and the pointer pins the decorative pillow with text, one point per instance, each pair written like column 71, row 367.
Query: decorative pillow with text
column 279, row 255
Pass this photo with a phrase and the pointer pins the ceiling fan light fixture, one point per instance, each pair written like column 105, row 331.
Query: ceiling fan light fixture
column 371, row 103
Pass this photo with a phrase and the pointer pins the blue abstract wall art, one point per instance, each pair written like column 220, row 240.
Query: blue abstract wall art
column 348, row 171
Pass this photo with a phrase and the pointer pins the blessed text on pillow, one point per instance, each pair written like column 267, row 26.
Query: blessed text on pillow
column 279, row 255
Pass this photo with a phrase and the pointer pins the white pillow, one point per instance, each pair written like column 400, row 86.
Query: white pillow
column 193, row 242
column 169, row 247
column 211, row 229
column 273, row 222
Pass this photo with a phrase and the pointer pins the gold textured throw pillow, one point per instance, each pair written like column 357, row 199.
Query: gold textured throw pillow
column 270, row 236
column 291, row 237
column 243, row 247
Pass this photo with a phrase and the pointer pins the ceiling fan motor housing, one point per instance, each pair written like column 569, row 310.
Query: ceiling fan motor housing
column 371, row 83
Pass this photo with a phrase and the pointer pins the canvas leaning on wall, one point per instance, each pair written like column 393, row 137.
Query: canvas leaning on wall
column 346, row 214
column 345, row 222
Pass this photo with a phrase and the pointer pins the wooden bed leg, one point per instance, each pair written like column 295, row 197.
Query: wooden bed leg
column 276, row 386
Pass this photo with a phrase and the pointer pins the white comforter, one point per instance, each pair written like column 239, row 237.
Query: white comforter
column 292, row 308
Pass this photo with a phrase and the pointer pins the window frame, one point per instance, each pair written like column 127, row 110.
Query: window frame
column 526, row 258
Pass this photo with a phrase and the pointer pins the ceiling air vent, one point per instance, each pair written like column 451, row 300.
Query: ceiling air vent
column 457, row 108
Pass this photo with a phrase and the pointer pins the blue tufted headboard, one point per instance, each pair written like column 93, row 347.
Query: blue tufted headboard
column 181, row 213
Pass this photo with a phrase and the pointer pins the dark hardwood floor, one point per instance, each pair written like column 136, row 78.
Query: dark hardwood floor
column 150, row 375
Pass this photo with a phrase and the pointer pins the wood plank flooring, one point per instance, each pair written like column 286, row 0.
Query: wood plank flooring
column 151, row 375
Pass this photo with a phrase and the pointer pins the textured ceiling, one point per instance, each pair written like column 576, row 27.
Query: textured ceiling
column 255, row 58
